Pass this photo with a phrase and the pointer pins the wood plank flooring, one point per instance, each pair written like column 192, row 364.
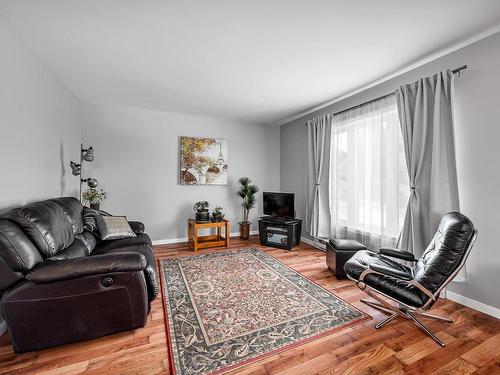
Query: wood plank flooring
column 473, row 341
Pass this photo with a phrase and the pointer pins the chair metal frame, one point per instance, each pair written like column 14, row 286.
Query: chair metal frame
column 404, row 310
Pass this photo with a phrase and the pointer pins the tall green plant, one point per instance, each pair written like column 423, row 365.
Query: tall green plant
column 247, row 194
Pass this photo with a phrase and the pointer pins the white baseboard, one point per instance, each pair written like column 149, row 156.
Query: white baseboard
column 476, row 305
column 169, row 240
column 3, row 327
column 314, row 243
column 307, row 240
column 185, row 239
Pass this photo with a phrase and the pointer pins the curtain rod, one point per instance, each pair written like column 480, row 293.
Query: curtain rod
column 459, row 69
column 453, row 71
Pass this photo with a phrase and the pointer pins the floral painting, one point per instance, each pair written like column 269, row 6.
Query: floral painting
column 203, row 161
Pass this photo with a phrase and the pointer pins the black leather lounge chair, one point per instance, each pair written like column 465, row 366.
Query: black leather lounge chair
column 414, row 289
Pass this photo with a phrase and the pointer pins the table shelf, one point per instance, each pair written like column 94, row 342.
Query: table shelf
column 213, row 240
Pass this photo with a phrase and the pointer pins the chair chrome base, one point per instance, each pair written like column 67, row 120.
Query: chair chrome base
column 405, row 312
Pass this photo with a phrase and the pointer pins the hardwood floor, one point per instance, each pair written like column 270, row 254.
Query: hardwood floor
column 473, row 341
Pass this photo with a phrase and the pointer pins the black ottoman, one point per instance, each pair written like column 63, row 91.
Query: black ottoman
column 340, row 251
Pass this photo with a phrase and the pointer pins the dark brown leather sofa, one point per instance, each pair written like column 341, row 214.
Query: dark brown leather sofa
column 60, row 283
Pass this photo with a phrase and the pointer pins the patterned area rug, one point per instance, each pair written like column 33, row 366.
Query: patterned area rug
column 226, row 309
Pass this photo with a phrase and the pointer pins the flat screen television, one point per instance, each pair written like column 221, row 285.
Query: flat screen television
column 279, row 204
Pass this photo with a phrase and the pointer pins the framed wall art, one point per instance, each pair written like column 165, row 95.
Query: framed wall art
column 203, row 161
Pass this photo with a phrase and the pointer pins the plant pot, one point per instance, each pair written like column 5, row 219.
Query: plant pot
column 95, row 206
column 244, row 230
column 202, row 216
column 217, row 218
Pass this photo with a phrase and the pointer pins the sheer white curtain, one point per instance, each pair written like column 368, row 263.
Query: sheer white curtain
column 368, row 177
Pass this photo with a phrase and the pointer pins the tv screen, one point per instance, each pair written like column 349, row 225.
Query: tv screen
column 279, row 204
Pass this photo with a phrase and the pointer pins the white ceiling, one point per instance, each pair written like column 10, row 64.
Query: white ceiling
column 256, row 61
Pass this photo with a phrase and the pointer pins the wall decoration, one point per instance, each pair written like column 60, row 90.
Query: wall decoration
column 203, row 161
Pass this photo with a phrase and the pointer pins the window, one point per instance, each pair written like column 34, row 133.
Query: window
column 368, row 177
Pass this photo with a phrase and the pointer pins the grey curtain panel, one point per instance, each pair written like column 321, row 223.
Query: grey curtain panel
column 318, row 220
column 426, row 117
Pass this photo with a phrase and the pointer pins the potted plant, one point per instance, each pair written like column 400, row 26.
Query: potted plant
column 201, row 209
column 247, row 194
column 94, row 197
column 217, row 214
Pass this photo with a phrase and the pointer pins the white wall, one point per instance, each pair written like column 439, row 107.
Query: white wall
column 477, row 130
column 41, row 126
column 136, row 162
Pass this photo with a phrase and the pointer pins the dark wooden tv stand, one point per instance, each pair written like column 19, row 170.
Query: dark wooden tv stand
column 283, row 233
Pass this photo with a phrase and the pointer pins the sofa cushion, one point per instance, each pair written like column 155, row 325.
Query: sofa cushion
column 45, row 224
column 73, row 210
column 76, row 250
column 18, row 252
column 88, row 238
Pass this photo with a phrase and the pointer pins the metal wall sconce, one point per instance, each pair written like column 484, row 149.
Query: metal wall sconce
column 86, row 154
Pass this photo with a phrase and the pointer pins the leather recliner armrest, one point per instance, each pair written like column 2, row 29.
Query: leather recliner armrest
column 137, row 227
column 66, row 269
column 397, row 253
column 391, row 272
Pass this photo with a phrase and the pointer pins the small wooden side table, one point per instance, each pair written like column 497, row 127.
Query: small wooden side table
column 214, row 240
